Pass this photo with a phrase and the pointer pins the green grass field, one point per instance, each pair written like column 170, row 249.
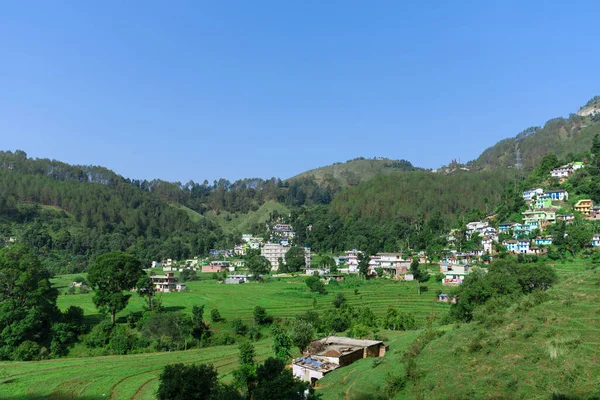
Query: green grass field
column 523, row 339
column 111, row 377
column 283, row 297
column 533, row 352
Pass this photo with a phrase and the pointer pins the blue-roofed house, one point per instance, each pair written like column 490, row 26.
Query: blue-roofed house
column 543, row 241
column 558, row 194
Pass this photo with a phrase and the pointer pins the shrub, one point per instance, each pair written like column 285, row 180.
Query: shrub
column 215, row 315
column 27, row 351
column 339, row 300
column 239, row 327
column 261, row 317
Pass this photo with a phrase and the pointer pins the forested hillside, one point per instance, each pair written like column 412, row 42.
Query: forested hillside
column 352, row 172
column 565, row 137
column 403, row 210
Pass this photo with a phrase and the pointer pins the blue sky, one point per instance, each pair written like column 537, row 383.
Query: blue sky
column 202, row 90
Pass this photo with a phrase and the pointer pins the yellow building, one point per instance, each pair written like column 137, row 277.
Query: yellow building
column 584, row 206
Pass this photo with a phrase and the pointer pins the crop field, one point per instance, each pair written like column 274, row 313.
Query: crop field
column 111, row 377
column 283, row 297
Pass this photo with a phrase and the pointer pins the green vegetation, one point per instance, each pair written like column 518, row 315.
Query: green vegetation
column 543, row 345
column 563, row 137
column 352, row 172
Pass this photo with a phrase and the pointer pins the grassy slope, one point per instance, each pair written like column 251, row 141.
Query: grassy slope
column 243, row 222
column 361, row 170
column 551, row 348
column 349, row 383
column 194, row 215
column 114, row 377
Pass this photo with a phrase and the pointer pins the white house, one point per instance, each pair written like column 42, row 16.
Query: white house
column 476, row 226
column 562, row 172
column 454, row 274
column 596, row 240
column 529, row 194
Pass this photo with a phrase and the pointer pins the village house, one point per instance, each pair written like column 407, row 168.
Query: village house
column 505, row 227
column 584, row 206
column 594, row 214
column 528, row 195
column 284, row 231
column 523, row 246
column 596, row 240
column 562, row 172
column 167, row 283
column 325, row 355
column 351, row 259
column 246, row 237
column 239, row 250
column 558, row 194
column 237, row 279
column 565, row 217
column 220, row 253
column 454, row 274
column 538, row 219
column 542, row 201
column 488, row 244
column 476, row 226
column 392, row 263
column 543, row 241
column 275, row 251
column 216, row 266
column 510, row 245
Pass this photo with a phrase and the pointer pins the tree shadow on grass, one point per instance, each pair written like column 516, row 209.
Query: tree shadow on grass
column 173, row 308
column 54, row 396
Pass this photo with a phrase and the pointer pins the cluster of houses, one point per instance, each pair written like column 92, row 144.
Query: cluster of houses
column 564, row 172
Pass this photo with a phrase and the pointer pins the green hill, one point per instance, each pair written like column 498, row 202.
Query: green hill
column 247, row 222
column 561, row 136
column 541, row 347
column 355, row 171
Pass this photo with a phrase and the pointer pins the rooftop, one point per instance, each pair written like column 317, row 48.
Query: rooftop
column 315, row 363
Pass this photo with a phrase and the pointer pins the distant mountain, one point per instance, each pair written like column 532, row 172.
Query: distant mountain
column 561, row 136
column 352, row 172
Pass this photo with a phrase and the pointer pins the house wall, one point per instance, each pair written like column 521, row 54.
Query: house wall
column 349, row 358
column 306, row 374
column 213, row 268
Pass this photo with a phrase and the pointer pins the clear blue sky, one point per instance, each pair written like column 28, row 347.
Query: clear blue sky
column 192, row 90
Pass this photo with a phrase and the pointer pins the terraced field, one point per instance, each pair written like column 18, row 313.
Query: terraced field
column 112, row 377
column 284, row 298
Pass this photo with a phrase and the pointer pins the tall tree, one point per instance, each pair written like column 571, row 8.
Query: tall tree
column 419, row 275
column 27, row 300
column 111, row 275
column 146, row 289
column 363, row 265
column 295, row 260
column 258, row 265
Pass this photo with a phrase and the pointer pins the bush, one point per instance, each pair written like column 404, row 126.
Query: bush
column 239, row 327
column 315, row 285
column 179, row 381
column 339, row 300
column 261, row 317
column 27, row 351
column 215, row 315
column 99, row 336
